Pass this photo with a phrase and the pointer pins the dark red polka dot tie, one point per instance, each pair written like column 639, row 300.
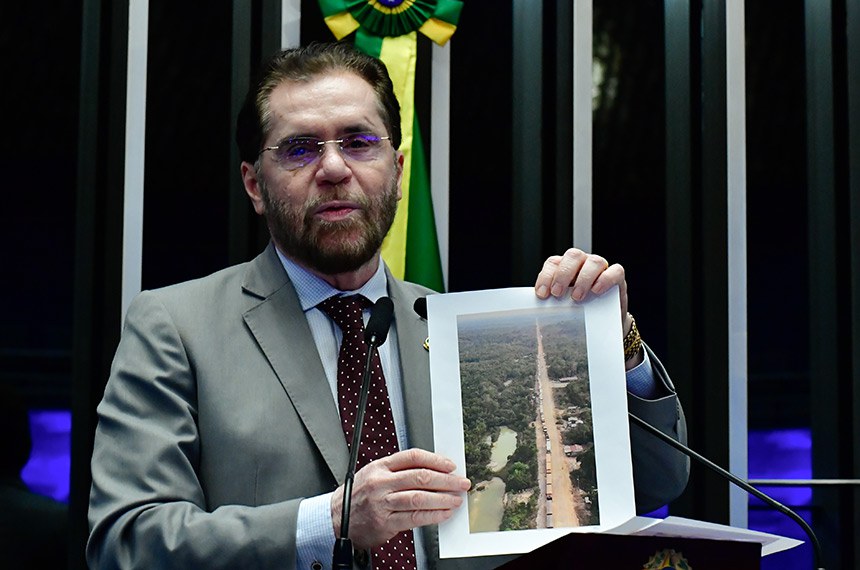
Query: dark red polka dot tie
column 378, row 436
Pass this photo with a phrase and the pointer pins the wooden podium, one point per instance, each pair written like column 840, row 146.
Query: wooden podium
column 590, row 550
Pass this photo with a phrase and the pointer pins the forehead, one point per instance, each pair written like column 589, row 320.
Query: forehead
column 324, row 106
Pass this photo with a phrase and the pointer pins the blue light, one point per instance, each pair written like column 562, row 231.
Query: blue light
column 782, row 454
column 47, row 472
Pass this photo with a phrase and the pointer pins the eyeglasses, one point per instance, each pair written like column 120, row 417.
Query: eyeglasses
column 302, row 151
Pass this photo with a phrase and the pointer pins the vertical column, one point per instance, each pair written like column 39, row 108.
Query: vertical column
column 737, row 255
column 712, row 353
column 583, row 38
column 240, row 215
column 135, row 144
column 271, row 27
column 440, row 131
column 699, row 245
column 853, row 69
column 680, row 240
column 562, row 126
column 98, row 239
column 828, row 330
column 259, row 30
column 527, row 141
column 291, row 19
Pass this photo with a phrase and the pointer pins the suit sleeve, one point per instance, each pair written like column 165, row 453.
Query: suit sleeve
column 147, row 504
column 660, row 472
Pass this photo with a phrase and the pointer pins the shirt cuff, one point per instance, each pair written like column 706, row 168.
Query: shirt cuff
column 640, row 380
column 314, row 533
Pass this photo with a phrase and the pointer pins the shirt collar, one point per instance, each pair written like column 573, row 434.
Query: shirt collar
column 312, row 290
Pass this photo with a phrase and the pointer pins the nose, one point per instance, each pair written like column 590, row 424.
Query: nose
column 332, row 165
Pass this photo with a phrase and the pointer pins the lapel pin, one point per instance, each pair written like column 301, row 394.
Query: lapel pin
column 427, row 344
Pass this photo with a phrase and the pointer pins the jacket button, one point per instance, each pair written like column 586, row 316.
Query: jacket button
column 316, row 565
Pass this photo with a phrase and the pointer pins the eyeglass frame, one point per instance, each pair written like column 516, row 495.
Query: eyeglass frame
column 321, row 146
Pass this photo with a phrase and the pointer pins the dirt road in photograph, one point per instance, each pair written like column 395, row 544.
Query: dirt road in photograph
column 564, row 499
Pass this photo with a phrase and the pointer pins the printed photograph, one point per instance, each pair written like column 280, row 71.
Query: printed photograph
column 527, row 420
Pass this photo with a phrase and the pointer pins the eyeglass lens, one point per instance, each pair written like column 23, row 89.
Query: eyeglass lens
column 298, row 152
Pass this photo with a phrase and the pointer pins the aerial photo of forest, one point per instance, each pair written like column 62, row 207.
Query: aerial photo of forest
column 527, row 419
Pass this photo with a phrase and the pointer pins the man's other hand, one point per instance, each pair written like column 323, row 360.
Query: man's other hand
column 576, row 273
column 408, row 489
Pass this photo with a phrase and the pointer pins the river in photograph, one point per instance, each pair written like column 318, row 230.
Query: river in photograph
column 502, row 449
column 486, row 506
column 486, row 503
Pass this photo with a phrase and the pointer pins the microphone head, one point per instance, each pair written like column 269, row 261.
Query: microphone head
column 420, row 307
column 377, row 327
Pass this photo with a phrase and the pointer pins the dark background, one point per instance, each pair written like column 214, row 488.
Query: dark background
column 189, row 181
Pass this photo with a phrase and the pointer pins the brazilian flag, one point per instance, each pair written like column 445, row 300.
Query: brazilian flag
column 388, row 29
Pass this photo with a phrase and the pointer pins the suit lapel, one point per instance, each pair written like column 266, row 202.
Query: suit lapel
column 281, row 329
column 414, row 364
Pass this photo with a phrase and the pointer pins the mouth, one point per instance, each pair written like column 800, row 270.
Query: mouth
column 336, row 210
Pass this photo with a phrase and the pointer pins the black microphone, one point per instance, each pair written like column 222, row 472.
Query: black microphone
column 736, row 480
column 377, row 327
column 420, row 307
column 375, row 334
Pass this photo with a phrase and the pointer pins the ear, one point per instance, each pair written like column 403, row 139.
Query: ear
column 400, row 159
column 252, row 187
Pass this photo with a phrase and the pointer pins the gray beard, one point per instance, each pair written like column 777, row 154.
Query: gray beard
column 316, row 243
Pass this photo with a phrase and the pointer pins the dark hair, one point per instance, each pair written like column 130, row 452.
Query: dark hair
column 304, row 64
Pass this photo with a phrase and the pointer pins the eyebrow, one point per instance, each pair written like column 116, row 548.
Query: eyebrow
column 350, row 130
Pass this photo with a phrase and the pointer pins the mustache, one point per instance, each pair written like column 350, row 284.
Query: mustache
column 338, row 194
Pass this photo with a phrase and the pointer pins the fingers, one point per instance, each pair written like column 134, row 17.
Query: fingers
column 402, row 491
column 414, row 458
column 415, row 501
column 413, row 469
column 626, row 319
column 418, row 518
column 577, row 273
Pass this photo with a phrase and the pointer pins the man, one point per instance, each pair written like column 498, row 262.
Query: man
column 219, row 442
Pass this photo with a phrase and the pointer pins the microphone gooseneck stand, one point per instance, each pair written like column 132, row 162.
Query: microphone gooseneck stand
column 375, row 334
column 737, row 481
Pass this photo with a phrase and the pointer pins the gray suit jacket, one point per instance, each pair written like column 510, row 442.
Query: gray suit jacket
column 217, row 420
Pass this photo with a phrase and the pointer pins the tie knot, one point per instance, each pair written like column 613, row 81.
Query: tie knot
column 346, row 312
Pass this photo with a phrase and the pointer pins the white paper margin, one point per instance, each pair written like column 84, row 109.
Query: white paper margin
column 608, row 400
